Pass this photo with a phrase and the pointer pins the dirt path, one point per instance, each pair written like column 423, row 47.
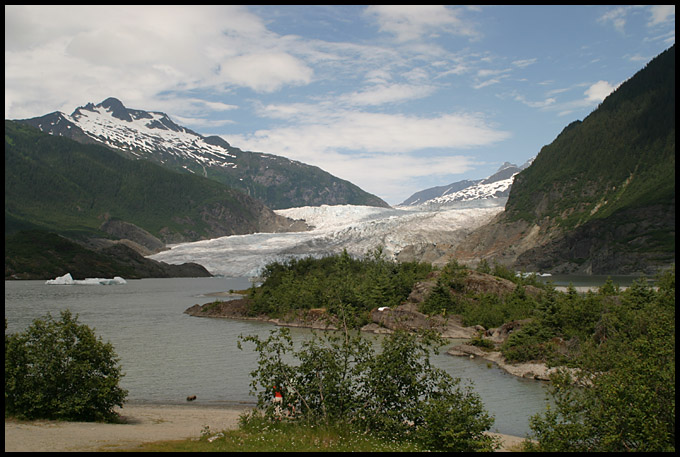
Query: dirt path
column 146, row 423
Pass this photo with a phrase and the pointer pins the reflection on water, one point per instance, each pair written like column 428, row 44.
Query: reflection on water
column 168, row 355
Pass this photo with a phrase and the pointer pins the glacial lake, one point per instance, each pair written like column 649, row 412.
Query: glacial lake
column 168, row 355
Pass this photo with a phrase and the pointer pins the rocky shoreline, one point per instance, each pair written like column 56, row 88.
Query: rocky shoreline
column 387, row 320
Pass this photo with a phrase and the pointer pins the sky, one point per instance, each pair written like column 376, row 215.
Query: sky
column 395, row 99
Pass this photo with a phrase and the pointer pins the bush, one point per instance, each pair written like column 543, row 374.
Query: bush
column 624, row 399
column 58, row 369
column 397, row 393
column 339, row 283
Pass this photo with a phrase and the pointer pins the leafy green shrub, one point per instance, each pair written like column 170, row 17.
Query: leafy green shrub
column 334, row 282
column 480, row 342
column 455, row 421
column 340, row 380
column 531, row 342
column 59, row 369
column 625, row 397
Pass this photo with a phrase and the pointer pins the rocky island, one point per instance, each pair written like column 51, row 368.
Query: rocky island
column 403, row 317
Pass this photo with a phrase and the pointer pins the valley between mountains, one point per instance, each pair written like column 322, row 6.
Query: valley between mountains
column 126, row 184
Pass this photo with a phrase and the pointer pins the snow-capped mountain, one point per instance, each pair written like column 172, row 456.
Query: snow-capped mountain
column 142, row 132
column 151, row 135
column 493, row 190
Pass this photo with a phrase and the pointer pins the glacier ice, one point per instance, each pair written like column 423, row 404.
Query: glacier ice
column 67, row 279
column 359, row 229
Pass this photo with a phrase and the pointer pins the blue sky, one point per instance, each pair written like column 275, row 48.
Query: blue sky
column 395, row 99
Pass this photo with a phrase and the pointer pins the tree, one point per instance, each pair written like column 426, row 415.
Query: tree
column 59, row 369
column 623, row 398
column 339, row 379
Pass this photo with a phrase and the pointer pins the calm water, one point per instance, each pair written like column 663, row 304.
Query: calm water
column 168, row 355
column 593, row 280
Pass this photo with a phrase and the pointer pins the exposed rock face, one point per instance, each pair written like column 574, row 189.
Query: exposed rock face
column 498, row 241
column 501, row 334
column 232, row 309
column 477, row 282
column 406, row 317
column 125, row 230
column 147, row 268
column 437, row 254
column 625, row 245
column 223, row 220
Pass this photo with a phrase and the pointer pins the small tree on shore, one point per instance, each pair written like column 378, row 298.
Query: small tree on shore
column 59, row 369
column 341, row 380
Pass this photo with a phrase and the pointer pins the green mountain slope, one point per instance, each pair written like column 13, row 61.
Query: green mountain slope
column 599, row 199
column 34, row 254
column 621, row 156
column 279, row 182
column 56, row 184
column 276, row 181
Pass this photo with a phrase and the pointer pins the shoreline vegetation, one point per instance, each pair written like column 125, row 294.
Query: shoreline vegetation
column 317, row 319
column 608, row 353
column 439, row 291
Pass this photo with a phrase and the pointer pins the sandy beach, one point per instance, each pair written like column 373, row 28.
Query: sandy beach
column 145, row 423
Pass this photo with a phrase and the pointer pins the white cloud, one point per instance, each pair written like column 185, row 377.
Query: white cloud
column 265, row 72
column 320, row 130
column 594, row 94
column 64, row 56
column 524, row 63
column 486, row 83
column 386, row 149
column 411, row 22
column 540, row 104
column 599, row 91
column 661, row 14
column 387, row 93
column 616, row 16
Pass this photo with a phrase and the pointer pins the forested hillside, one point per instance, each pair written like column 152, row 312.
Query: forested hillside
column 276, row 181
column 621, row 156
column 56, row 184
column 600, row 199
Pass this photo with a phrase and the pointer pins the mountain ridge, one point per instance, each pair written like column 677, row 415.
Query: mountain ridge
column 55, row 183
column 600, row 199
column 493, row 187
column 151, row 135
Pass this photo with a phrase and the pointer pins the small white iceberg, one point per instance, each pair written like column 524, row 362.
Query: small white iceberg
column 67, row 279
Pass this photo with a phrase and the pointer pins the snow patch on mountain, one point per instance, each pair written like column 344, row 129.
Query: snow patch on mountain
column 481, row 191
column 493, row 189
column 145, row 132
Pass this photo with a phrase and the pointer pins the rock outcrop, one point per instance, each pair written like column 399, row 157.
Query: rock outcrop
column 406, row 317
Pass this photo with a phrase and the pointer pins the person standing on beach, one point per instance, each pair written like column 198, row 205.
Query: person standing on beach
column 278, row 401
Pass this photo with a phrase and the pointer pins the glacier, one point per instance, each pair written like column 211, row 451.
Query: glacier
column 358, row 229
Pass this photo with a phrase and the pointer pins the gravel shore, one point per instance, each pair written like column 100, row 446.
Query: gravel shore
column 145, row 423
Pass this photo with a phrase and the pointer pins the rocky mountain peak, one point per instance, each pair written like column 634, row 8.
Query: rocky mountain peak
column 117, row 109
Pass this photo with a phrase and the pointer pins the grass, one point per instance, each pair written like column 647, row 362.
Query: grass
column 282, row 437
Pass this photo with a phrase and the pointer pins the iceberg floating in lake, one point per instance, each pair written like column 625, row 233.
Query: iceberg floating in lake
column 67, row 279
